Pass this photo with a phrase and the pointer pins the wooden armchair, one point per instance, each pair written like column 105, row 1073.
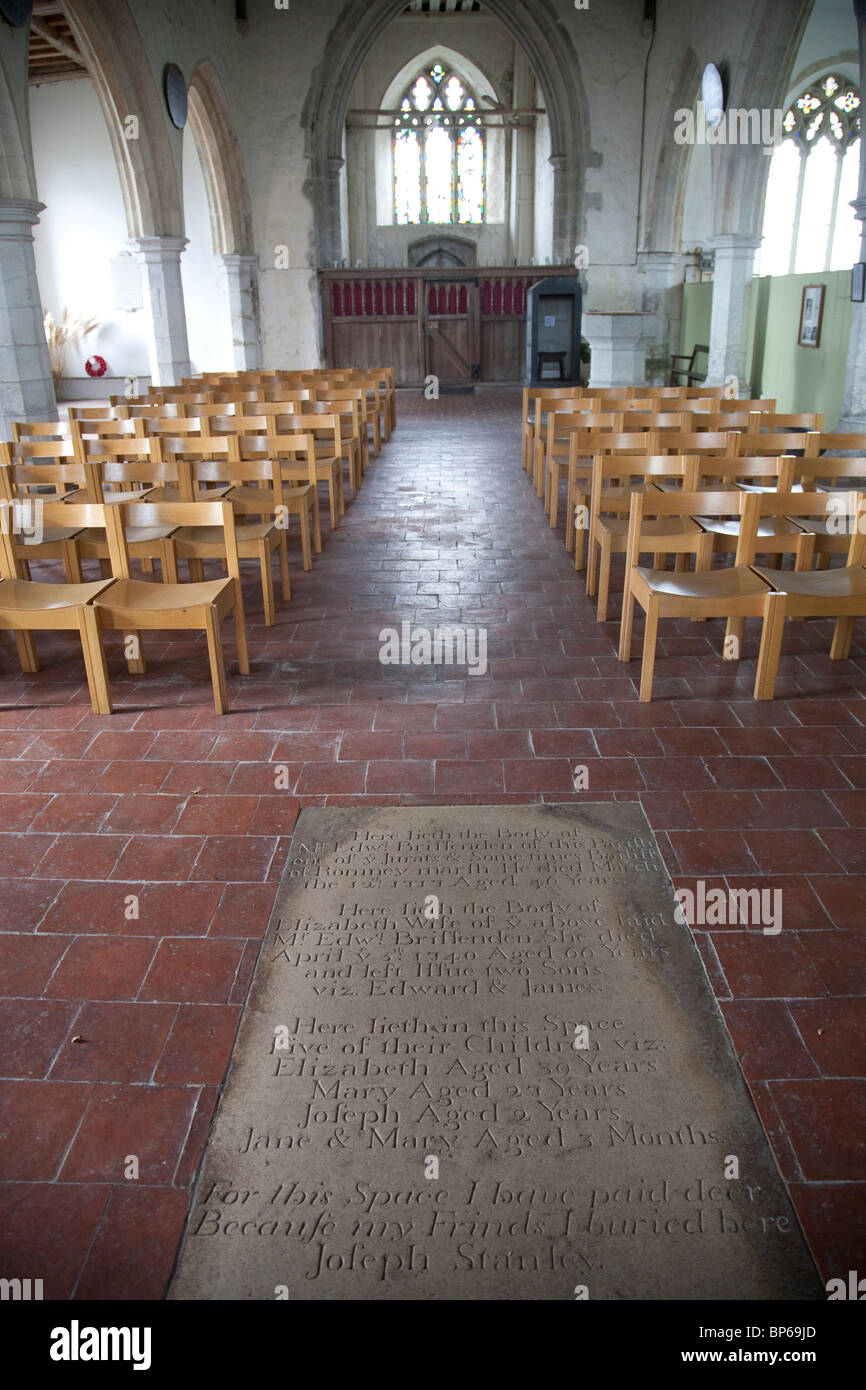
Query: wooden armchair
column 690, row 370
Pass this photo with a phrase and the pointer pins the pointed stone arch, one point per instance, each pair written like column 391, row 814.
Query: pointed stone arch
column 547, row 44
column 148, row 164
column 662, row 215
column 222, row 162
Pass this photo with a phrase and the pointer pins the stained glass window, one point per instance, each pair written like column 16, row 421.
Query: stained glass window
column 439, row 151
column 809, row 224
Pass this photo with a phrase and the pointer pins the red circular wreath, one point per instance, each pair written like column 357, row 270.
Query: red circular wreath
column 95, row 365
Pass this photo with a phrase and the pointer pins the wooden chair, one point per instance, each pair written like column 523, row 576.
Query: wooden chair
column 296, row 451
column 665, row 535
column 585, row 446
column 131, row 605
column 348, row 403
column 531, row 417
column 818, row 443
column 734, row 593
column 27, row 607
column 545, row 438
column 770, row 422
column 327, row 433
column 561, row 426
column 256, row 540
column 690, row 370
column 834, row 593
column 127, row 469
column 27, row 486
column 733, row 405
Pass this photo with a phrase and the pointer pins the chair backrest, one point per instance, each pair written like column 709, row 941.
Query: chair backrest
column 123, row 516
column 655, row 420
column 19, row 478
column 775, row 468
column 644, row 466
column 696, row 442
column 707, row 420
column 842, row 511
column 236, row 396
column 688, row 503
column 823, row 442
column 45, row 430
column 107, row 427
column 61, row 449
column 725, row 404
column 829, row 469
column 291, row 443
column 772, row 423
column 789, row 442
column 611, row 400
column 50, row 513
column 266, row 469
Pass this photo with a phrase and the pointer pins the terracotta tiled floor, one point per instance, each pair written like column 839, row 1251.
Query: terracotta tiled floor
column 117, row 1028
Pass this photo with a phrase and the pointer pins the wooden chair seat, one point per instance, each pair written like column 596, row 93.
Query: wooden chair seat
column 29, row 596
column 208, row 537
column 824, row 585
column 668, row 529
column 729, row 530
column 52, row 535
column 92, row 540
column 134, row 601
column 735, row 582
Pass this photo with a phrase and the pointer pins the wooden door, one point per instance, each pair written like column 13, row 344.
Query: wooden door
column 451, row 330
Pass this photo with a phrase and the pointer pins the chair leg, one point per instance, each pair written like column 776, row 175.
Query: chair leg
column 135, row 663
column 554, row 494
column 649, row 649
column 71, row 562
column 626, row 623
column 317, row 524
column 215, row 657
column 771, row 646
column 304, row 518
column 196, row 571
column 267, row 583
column 843, row 633
column 569, row 519
column 26, row 649
column 592, row 562
column 94, row 660
column 604, row 577
column 341, row 491
column 579, row 532
column 241, row 631
column 285, row 582
column 168, row 562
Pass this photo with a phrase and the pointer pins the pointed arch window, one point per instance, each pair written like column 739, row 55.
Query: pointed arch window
column 439, row 151
column 808, row 223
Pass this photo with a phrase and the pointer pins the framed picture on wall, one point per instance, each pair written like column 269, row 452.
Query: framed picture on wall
column 858, row 281
column 811, row 312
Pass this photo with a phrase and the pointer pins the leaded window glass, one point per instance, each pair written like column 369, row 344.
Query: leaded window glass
column 809, row 224
column 439, row 151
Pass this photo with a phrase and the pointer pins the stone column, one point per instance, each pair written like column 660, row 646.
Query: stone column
column 853, row 417
column 523, row 166
column 241, row 281
column 662, row 303
column 563, row 194
column 26, row 384
column 165, row 314
column 732, row 275
column 618, row 347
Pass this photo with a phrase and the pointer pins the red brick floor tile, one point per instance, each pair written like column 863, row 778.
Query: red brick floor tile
column 675, row 774
column 115, row 1042
column 467, row 776
column 20, row 853
column 690, row 743
column 66, row 776
column 81, row 856
column 514, row 715
column 798, row 809
column 801, row 771
column 108, row 745
column 50, row 1227
column 586, row 714
column 101, row 967
column 766, row 1040
column 158, row 858
column 16, row 776
column 669, row 811
column 32, row 1031
column 800, row 908
column 234, row 858
column 24, row 902
column 631, row 743
column 717, row 809
column 27, row 962
column 181, row 746
column 839, row 957
column 20, row 809
column 133, row 1253
column 833, row 1216
column 843, row 899
column 37, row 1121
column 399, row 777
column 129, row 777
column 741, row 773
column 199, row 1046
column 826, row 1123
column 711, row 851
column 361, row 747
column 851, row 806
column 145, row 813
column 834, row 1031
column 193, row 971
column 766, row 967
column 244, row 910
column 188, row 779
column 332, row 777
column 217, row 815
column 757, row 742
column 546, row 743
column 150, row 1122
column 390, row 715
column 848, row 847
column 814, row 739
column 790, row 851
column 538, row 775
column 90, row 907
